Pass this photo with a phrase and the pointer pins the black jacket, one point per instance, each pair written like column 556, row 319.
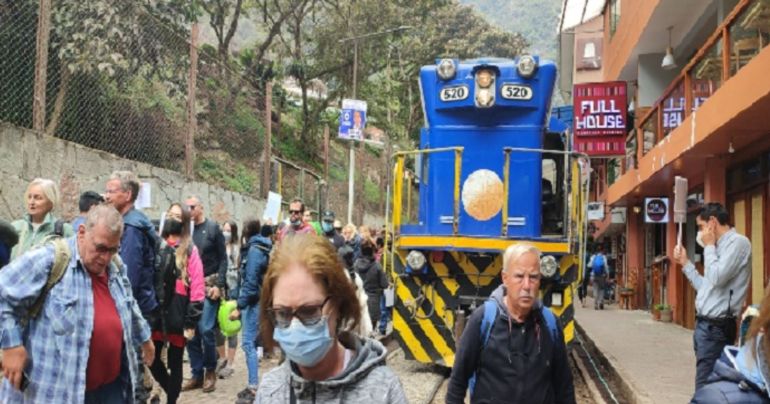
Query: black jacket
column 521, row 363
column 372, row 276
column 210, row 241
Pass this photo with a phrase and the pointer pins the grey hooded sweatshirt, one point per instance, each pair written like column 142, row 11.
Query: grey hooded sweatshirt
column 365, row 380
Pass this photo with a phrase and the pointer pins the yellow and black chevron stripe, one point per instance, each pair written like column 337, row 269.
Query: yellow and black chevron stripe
column 424, row 309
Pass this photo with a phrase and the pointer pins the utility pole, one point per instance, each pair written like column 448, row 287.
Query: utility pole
column 192, row 119
column 352, row 166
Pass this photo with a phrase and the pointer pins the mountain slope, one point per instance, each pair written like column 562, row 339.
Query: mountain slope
column 535, row 20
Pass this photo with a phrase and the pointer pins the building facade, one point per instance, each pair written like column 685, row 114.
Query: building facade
column 697, row 74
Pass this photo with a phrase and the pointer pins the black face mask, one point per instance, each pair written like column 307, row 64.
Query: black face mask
column 172, row 226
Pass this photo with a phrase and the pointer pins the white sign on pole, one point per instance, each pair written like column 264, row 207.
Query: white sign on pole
column 143, row 199
column 273, row 208
column 596, row 211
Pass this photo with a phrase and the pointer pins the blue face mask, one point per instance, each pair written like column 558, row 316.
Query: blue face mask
column 304, row 345
column 327, row 227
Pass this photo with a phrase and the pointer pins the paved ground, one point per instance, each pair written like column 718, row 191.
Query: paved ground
column 655, row 358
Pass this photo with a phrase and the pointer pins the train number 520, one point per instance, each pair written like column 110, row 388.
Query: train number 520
column 516, row 92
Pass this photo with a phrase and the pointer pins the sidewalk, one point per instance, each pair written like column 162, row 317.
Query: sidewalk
column 655, row 359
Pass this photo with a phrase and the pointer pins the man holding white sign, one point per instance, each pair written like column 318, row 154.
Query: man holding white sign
column 721, row 290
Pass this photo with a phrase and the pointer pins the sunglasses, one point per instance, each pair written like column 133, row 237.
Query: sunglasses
column 295, row 212
column 309, row 314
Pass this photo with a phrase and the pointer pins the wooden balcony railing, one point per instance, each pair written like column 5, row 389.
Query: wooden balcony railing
column 737, row 40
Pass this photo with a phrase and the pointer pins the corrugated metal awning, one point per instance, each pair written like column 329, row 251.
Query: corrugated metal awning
column 576, row 12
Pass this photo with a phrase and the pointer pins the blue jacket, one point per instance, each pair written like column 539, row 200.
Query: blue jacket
column 138, row 248
column 255, row 256
column 739, row 376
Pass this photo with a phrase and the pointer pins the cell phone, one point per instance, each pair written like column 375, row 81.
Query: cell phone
column 24, row 381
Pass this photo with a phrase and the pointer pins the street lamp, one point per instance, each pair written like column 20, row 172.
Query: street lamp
column 352, row 168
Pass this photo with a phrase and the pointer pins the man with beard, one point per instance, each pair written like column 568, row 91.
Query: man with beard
column 297, row 224
column 513, row 347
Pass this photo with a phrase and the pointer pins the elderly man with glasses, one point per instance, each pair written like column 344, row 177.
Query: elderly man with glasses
column 74, row 341
column 297, row 224
column 512, row 349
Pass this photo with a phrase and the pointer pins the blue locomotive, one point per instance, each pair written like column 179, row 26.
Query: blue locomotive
column 488, row 173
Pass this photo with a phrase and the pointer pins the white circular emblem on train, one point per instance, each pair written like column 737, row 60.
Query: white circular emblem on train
column 482, row 194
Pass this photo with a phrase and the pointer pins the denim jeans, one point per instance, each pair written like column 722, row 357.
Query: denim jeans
column 108, row 393
column 709, row 340
column 202, row 347
column 599, row 290
column 249, row 327
column 384, row 315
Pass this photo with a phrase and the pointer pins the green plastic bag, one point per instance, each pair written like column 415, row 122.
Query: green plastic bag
column 227, row 326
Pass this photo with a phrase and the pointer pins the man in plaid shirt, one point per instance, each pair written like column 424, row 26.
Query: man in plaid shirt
column 79, row 348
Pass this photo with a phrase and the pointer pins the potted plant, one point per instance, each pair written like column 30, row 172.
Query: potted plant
column 656, row 312
column 665, row 313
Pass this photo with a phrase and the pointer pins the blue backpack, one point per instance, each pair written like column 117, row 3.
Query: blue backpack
column 490, row 314
column 597, row 268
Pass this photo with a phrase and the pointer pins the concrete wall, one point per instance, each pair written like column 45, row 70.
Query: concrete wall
column 25, row 154
column 653, row 79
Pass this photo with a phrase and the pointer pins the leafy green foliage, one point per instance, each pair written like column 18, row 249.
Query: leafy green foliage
column 237, row 178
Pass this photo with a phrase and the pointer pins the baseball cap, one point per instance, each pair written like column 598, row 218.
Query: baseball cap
column 327, row 216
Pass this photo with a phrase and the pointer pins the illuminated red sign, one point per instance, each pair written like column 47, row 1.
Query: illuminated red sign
column 600, row 118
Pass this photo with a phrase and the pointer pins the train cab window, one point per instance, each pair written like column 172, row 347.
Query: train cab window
column 553, row 197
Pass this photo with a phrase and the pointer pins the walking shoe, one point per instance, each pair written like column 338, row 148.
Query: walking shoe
column 221, row 363
column 226, row 372
column 209, row 381
column 192, row 384
column 246, row 396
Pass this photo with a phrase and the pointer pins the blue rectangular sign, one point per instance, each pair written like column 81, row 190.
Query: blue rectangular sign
column 352, row 119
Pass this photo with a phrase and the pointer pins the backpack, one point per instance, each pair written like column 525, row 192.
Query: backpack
column 488, row 320
column 166, row 273
column 61, row 260
column 597, row 268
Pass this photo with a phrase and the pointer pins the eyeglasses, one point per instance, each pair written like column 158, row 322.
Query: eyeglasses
column 191, row 207
column 295, row 212
column 309, row 314
column 103, row 249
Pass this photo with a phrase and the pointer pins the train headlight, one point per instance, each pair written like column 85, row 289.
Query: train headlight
column 484, row 78
column 485, row 96
column 527, row 66
column 446, row 69
column 548, row 266
column 415, row 260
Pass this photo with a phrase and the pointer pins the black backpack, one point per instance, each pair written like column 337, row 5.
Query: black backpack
column 166, row 273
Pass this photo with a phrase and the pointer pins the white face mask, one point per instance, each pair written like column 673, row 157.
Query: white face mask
column 699, row 239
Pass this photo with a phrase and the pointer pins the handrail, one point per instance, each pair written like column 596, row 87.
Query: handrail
column 506, row 180
column 398, row 182
column 721, row 33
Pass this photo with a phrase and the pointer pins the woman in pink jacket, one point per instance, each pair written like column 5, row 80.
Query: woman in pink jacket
column 180, row 291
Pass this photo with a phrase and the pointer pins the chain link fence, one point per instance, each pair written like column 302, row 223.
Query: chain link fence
column 116, row 79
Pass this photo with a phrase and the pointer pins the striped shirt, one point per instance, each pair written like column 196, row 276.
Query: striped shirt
column 58, row 340
column 721, row 290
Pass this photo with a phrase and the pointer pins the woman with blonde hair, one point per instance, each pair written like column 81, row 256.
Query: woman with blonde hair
column 742, row 374
column 326, row 362
column 181, row 301
column 40, row 198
